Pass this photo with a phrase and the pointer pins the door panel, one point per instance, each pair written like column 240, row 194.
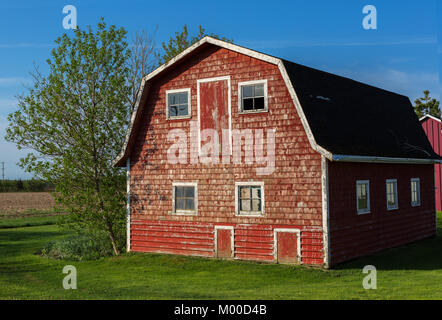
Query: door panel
column 287, row 247
column 214, row 109
column 224, row 243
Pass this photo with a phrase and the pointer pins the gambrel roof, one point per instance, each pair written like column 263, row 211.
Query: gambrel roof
column 344, row 120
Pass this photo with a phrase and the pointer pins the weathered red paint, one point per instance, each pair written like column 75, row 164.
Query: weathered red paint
column 292, row 192
column 224, row 243
column 353, row 235
column 433, row 130
column 287, row 247
column 214, row 109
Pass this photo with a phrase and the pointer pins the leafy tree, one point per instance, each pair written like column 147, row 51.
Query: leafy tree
column 181, row 41
column 74, row 120
column 427, row 105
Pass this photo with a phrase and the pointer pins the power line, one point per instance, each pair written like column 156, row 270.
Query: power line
column 3, row 170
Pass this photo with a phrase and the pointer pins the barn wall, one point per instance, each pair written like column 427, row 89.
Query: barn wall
column 292, row 191
column 353, row 235
column 433, row 130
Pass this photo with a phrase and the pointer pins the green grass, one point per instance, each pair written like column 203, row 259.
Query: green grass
column 29, row 218
column 410, row 272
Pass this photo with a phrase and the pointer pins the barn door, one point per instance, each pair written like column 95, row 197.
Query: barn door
column 224, row 242
column 214, row 112
column 287, row 246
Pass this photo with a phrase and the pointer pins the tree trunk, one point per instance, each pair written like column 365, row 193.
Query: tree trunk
column 112, row 238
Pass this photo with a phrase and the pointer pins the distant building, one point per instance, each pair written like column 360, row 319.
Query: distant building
column 432, row 127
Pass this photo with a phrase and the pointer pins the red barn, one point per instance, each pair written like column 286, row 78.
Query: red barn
column 236, row 154
column 432, row 127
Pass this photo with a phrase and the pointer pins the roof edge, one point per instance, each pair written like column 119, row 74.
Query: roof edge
column 429, row 116
column 374, row 159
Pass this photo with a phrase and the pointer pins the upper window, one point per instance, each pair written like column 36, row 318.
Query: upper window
column 178, row 104
column 363, row 196
column 185, row 198
column 392, row 199
column 250, row 198
column 252, row 96
column 415, row 192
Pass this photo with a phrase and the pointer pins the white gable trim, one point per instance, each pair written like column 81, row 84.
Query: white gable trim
column 238, row 49
column 429, row 116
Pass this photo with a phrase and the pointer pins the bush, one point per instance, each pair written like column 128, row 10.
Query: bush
column 78, row 247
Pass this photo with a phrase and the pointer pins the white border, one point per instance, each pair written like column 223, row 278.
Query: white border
column 275, row 242
column 128, row 205
column 389, row 208
column 363, row 211
column 429, row 116
column 416, row 204
column 266, row 96
column 184, row 212
column 325, row 211
column 189, row 107
column 254, row 184
column 232, row 239
column 223, row 78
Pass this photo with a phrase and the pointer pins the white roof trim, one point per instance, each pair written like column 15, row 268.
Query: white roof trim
column 237, row 49
column 429, row 116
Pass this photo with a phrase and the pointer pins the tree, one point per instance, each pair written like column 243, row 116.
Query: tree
column 74, row 120
column 181, row 41
column 427, row 105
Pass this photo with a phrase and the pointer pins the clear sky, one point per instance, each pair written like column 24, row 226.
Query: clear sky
column 401, row 55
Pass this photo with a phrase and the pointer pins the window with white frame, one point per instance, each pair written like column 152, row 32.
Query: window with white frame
column 178, row 104
column 252, row 96
column 249, row 197
column 185, row 197
column 392, row 199
column 363, row 196
column 415, row 192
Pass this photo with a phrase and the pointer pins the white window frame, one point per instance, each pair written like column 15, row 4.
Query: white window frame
column 418, row 203
column 395, row 194
column 189, row 108
column 266, row 98
column 237, row 206
column 185, row 212
column 367, row 210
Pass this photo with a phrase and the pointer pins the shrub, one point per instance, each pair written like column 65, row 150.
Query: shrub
column 79, row 247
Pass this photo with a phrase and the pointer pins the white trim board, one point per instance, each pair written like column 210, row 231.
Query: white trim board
column 232, row 239
column 275, row 242
column 128, row 223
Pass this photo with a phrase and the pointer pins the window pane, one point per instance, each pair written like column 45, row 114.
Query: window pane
column 244, row 192
column 180, row 204
column 256, row 193
column 182, row 98
column 190, row 204
column 247, row 104
column 259, row 90
column 247, row 91
column 173, row 111
column 362, row 203
column 245, row 205
column 179, row 192
column 189, row 192
column 256, row 205
column 259, row 103
column 182, row 110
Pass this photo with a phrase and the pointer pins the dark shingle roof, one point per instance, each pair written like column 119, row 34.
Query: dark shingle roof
column 347, row 117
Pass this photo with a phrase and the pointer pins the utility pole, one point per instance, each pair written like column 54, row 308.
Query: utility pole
column 3, row 171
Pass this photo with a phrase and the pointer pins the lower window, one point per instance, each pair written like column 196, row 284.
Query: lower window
column 249, row 198
column 185, row 198
column 363, row 196
column 392, row 199
column 415, row 192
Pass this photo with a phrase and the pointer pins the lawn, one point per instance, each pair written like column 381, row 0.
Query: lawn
column 410, row 272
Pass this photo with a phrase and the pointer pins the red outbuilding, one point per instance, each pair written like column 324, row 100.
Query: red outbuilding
column 432, row 127
column 236, row 154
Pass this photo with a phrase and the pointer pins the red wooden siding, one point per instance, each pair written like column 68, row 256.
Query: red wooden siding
column 433, row 130
column 292, row 192
column 251, row 241
column 353, row 235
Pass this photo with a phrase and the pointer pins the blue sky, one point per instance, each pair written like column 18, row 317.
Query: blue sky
column 401, row 55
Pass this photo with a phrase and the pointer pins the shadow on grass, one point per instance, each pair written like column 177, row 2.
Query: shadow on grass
column 423, row 254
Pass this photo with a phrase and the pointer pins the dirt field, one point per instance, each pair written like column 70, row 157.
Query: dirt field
column 22, row 202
